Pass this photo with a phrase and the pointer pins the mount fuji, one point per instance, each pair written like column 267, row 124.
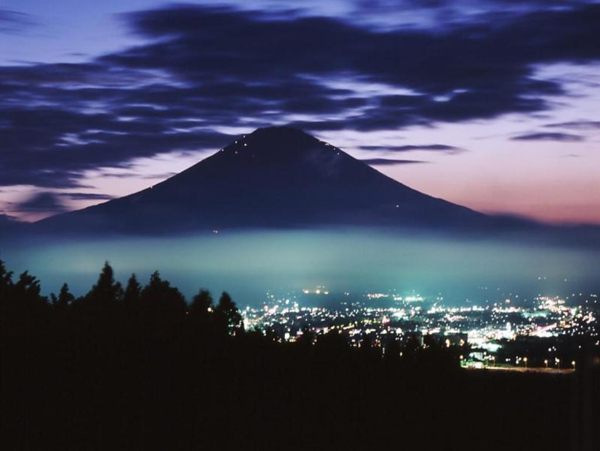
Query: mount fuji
column 275, row 177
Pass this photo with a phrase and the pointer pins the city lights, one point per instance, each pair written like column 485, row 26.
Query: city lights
column 488, row 333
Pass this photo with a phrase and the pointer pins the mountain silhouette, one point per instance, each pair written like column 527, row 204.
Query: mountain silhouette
column 273, row 177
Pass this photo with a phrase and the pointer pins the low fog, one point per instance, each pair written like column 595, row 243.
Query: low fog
column 247, row 264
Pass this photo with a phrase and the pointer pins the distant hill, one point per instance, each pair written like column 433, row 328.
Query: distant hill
column 276, row 177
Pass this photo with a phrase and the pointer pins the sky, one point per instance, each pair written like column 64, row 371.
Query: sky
column 492, row 104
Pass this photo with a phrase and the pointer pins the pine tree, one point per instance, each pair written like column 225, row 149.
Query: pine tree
column 161, row 301
column 106, row 292
column 133, row 291
column 227, row 317
column 26, row 293
column 65, row 298
column 5, row 283
column 202, row 304
column 201, row 311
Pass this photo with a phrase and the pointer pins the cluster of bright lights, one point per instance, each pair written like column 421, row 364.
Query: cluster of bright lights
column 483, row 327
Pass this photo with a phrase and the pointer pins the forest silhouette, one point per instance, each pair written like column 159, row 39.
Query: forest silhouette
column 137, row 367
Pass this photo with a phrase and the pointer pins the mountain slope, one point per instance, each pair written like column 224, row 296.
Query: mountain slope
column 274, row 177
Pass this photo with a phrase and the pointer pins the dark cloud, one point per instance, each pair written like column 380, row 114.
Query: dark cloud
column 34, row 174
column 86, row 196
column 577, row 125
column 198, row 42
column 14, row 21
column 477, row 71
column 52, row 202
column 44, row 202
column 202, row 68
column 52, row 146
column 452, row 9
column 389, row 162
column 250, row 46
column 409, row 148
column 562, row 137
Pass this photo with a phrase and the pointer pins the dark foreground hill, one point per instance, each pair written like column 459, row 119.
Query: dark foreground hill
column 181, row 393
column 274, row 177
column 138, row 369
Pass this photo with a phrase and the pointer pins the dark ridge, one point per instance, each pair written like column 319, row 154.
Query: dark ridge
column 275, row 177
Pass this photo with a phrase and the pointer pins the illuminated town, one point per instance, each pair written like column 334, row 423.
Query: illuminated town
column 539, row 334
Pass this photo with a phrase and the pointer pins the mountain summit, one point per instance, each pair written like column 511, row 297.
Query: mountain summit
column 273, row 177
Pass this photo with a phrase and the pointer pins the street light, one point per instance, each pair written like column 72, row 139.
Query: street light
column 573, row 364
column 546, row 363
column 525, row 360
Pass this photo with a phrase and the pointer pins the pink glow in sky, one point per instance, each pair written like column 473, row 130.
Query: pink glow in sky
column 517, row 133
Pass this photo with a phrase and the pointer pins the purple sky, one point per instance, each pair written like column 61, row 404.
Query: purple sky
column 496, row 101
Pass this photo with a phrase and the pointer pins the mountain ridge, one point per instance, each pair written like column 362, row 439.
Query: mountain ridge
column 273, row 177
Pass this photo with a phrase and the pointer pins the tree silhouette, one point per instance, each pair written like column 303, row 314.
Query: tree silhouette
column 27, row 291
column 64, row 296
column 133, row 291
column 160, row 302
column 63, row 301
column 411, row 348
column 140, row 383
column 307, row 339
column 5, row 290
column 106, row 293
column 132, row 297
column 392, row 351
column 333, row 343
column 227, row 316
column 5, row 281
column 201, row 309
column 23, row 311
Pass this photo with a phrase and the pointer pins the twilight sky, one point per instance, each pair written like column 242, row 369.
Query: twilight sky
column 492, row 104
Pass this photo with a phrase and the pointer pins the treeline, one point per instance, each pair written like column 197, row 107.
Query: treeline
column 136, row 367
column 159, row 309
column 154, row 308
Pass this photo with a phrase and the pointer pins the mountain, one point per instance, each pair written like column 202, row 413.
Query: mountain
column 273, row 177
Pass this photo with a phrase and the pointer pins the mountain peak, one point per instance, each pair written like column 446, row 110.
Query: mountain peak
column 272, row 177
column 275, row 143
column 280, row 131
